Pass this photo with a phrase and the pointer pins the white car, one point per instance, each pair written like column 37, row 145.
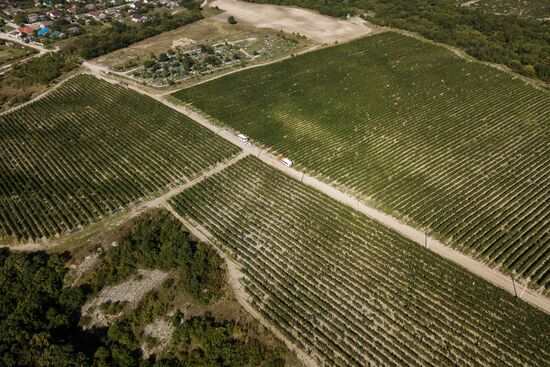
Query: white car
column 287, row 162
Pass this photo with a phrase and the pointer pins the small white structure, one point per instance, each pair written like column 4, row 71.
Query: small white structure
column 287, row 162
column 242, row 137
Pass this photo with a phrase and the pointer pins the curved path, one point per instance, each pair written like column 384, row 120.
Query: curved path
column 41, row 49
column 234, row 276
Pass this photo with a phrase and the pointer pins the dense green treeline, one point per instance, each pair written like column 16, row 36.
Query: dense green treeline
column 218, row 346
column 38, row 316
column 521, row 43
column 43, row 69
column 158, row 241
column 40, row 319
column 121, row 35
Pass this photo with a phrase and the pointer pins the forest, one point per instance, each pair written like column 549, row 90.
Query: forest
column 40, row 317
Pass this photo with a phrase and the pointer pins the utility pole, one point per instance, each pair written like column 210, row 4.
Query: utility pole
column 514, row 284
column 302, row 179
column 260, row 152
column 356, row 205
column 425, row 240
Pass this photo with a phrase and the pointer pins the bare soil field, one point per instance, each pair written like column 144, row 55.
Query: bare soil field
column 317, row 27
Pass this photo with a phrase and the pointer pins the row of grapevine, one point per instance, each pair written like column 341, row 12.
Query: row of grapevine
column 350, row 291
column 90, row 148
column 455, row 148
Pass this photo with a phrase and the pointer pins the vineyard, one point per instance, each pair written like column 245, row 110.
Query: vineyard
column 455, row 148
column 90, row 148
column 348, row 290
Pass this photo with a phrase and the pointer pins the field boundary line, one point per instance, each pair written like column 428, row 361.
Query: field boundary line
column 41, row 95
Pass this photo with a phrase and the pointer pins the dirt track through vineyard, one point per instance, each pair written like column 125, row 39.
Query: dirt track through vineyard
column 474, row 266
column 494, row 276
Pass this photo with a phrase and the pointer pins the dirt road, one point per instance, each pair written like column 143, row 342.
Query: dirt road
column 494, row 276
column 41, row 49
column 317, row 27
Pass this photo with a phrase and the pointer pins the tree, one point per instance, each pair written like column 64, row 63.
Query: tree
column 163, row 57
column 232, row 20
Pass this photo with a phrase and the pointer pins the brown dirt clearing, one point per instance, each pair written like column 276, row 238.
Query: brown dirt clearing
column 317, row 27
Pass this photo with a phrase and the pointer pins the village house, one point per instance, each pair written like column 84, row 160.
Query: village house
column 42, row 32
column 54, row 14
column 138, row 18
column 74, row 30
column 32, row 17
column 34, row 26
column 11, row 10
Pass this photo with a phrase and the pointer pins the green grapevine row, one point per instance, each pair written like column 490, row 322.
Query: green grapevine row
column 350, row 291
column 455, row 148
column 90, row 148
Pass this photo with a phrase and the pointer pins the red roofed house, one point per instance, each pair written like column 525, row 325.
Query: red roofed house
column 27, row 30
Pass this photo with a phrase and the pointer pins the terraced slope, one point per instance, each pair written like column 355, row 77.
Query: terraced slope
column 90, row 148
column 458, row 149
column 351, row 291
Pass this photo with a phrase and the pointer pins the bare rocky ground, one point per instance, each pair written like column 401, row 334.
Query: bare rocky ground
column 160, row 331
column 89, row 262
column 131, row 291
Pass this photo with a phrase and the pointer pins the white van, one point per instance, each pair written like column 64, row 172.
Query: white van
column 287, row 162
column 242, row 137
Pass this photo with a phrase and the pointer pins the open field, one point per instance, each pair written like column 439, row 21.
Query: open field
column 349, row 290
column 13, row 52
column 90, row 148
column 208, row 31
column 455, row 148
column 314, row 26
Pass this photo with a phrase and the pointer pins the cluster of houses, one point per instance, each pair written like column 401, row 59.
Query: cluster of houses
column 78, row 13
